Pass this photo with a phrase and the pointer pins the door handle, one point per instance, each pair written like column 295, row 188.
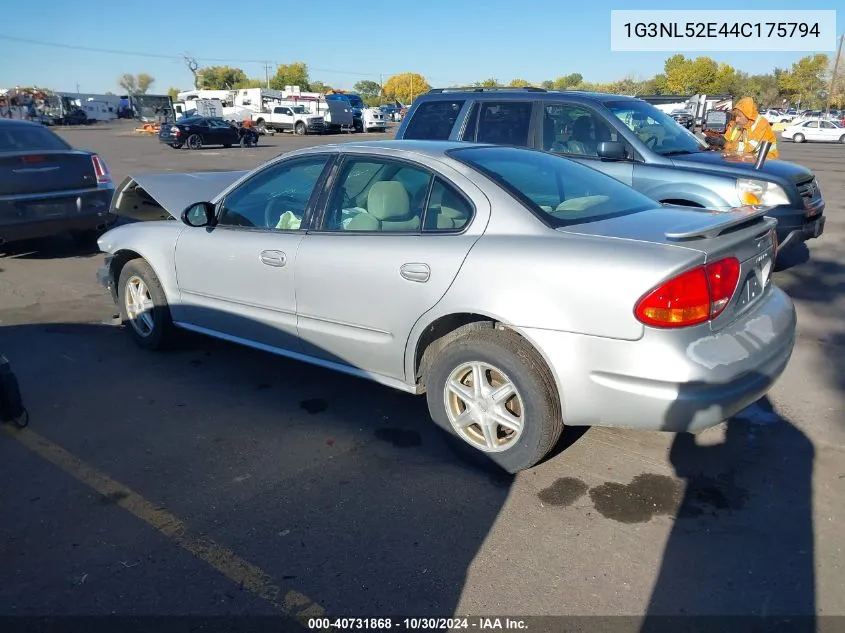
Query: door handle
column 415, row 272
column 273, row 258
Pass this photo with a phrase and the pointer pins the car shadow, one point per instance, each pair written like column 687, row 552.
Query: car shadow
column 741, row 553
column 337, row 486
column 56, row 247
column 791, row 257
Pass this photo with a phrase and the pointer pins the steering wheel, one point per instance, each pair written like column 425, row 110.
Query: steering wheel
column 269, row 209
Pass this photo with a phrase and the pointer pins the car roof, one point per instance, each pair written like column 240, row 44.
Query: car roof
column 437, row 94
column 422, row 147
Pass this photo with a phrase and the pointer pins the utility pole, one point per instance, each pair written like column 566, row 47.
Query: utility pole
column 267, row 73
column 833, row 74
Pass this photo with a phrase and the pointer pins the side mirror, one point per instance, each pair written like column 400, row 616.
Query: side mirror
column 199, row 214
column 612, row 150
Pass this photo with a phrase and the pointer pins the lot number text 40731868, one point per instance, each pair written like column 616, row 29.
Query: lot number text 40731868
column 724, row 29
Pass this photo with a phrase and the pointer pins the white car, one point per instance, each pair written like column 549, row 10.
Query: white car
column 820, row 130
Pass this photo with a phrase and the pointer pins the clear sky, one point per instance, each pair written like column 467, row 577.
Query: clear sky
column 447, row 41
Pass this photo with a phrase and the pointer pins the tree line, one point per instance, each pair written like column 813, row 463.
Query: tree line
column 805, row 84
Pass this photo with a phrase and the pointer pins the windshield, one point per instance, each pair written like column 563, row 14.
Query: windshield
column 657, row 130
column 561, row 192
column 300, row 109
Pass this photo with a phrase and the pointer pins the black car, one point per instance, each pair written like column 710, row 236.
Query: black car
column 196, row 131
column 48, row 188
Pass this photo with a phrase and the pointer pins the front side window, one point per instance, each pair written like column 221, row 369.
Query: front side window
column 657, row 130
column 574, row 129
column 433, row 120
column 504, row 123
column 559, row 191
column 376, row 195
column 812, row 124
column 274, row 199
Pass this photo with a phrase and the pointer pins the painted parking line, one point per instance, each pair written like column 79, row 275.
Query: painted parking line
column 251, row 577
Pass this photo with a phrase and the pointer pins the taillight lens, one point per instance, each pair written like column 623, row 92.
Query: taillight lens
column 693, row 297
column 101, row 171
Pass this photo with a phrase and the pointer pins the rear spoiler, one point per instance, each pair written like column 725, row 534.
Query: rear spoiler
column 708, row 227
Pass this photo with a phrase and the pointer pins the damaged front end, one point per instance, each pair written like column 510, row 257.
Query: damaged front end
column 151, row 197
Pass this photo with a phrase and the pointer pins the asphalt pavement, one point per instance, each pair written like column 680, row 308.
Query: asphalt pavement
column 217, row 480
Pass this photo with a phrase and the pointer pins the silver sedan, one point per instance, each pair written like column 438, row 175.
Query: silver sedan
column 519, row 290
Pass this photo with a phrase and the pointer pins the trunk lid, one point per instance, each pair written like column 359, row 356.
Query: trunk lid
column 742, row 232
column 47, row 171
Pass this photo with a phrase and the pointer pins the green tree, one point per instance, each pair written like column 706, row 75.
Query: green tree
column 220, row 77
column 136, row 85
column 569, row 82
column 548, row 84
column 319, row 86
column 295, row 74
column 805, row 82
column 250, row 83
column 520, row 83
column 173, row 93
column 368, row 89
column 487, row 83
column 405, row 87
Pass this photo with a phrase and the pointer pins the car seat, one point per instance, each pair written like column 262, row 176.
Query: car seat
column 446, row 210
column 388, row 209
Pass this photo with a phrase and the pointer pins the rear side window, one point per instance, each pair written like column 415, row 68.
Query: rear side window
column 504, row 123
column 20, row 138
column 433, row 120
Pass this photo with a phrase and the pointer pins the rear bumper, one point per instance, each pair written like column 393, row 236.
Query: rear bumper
column 671, row 381
column 83, row 211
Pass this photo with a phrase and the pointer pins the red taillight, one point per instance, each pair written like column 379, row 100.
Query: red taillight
column 693, row 297
column 100, row 170
column 32, row 159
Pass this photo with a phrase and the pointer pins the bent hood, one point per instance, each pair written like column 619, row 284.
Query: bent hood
column 164, row 196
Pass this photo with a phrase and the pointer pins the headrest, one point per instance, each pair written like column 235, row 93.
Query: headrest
column 388, row 200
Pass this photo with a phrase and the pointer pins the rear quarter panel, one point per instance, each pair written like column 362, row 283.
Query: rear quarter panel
column 580, row 284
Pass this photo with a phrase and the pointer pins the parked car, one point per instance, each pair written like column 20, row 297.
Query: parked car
column 628, row 139
column 193, row 132
column 49, row 188
column 816, row 130
column 684, row 117
column 519, row 290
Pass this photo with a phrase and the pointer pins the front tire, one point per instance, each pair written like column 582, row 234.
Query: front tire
column 300, row 129
column 490, row 389
column 798, row 138
column 143, row 306
column 842, row 139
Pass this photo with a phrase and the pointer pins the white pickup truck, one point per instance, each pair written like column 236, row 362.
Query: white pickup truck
column 296, row 119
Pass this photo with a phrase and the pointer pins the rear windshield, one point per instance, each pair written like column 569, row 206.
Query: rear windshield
column 561, row 192
column 21, row 138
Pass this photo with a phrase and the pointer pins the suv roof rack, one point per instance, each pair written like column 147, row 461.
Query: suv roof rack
column 485, row 89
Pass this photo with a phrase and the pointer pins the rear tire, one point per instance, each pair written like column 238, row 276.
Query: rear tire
column 194, row 141
column 515, row 418
column 143, row 306
column 86, row 239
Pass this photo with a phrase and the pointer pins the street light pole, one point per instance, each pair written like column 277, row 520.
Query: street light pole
column 833, row 74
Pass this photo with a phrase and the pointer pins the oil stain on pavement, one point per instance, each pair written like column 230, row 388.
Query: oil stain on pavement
column 649, row 495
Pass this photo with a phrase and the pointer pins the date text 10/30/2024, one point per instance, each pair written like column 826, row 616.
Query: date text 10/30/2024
column 716, row 29
column 402, row 624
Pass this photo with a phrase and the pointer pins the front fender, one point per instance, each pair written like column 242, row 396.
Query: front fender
column 154, row 241
column 697, row 194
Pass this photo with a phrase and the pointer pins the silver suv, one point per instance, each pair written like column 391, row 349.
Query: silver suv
column 626, row 138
